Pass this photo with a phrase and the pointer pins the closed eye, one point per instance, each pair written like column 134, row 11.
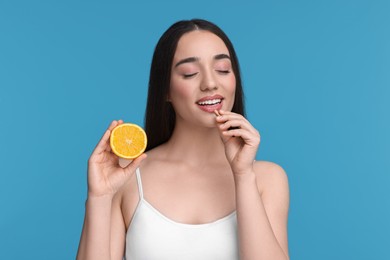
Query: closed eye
column 223, row 71
column 187, row 76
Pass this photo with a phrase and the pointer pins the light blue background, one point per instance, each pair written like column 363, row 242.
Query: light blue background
column 317, row 82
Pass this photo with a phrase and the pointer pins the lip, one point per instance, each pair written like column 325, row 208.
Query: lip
column 210, row 108
column 209, row 98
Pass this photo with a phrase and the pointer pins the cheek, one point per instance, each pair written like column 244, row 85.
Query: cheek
column 230, row 84
column 179, row 90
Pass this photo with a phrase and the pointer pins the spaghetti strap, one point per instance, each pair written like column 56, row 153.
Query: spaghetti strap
column 139, row 183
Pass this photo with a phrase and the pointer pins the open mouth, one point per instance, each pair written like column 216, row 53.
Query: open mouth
column 210, row 102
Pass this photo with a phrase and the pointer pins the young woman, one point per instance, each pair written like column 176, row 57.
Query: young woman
column 198, row 192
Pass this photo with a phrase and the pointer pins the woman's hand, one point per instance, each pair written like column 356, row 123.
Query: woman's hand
column 241, row 140
column 105, row 176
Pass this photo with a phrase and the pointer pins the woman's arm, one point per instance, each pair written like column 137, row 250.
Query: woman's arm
column 103, row 235
column 262, row 218
column 95, row 237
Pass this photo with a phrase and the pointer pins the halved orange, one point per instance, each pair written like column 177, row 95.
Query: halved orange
column 128, row 140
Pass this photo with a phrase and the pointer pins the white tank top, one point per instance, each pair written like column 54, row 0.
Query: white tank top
column 153, row 236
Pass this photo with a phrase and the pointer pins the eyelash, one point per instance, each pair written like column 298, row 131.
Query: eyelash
column 187, row 76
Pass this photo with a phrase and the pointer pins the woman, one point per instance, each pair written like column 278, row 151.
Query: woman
column 198, row 192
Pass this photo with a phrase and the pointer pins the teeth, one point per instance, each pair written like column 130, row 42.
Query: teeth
column 210, row 102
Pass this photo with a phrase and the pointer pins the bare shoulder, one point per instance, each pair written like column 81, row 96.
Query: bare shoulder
column 270, row 177
column 269, row 169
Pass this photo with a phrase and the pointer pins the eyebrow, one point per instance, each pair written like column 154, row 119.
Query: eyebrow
column 195, row 59
column 187, row 60
column 221, row 56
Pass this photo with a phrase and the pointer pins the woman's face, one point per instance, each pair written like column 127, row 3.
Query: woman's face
column 202, row 79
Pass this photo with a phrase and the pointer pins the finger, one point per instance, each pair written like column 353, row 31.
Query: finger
column 120, row 121
column 114, row 124
column 237, row 123
column 111, row 127
column 248, row 137
column 231, row 123
column 103, row 144
column 230, row 114
column 224, row 112
column 226, row 117
column 129, row 169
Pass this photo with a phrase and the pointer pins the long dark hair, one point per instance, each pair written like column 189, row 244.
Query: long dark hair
column 160, row 115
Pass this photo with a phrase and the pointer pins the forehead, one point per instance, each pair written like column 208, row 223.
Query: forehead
column 200, row 43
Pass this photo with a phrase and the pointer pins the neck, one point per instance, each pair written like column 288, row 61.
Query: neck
column 195, row 145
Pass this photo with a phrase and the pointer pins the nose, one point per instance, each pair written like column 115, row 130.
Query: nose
column 208, row 83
